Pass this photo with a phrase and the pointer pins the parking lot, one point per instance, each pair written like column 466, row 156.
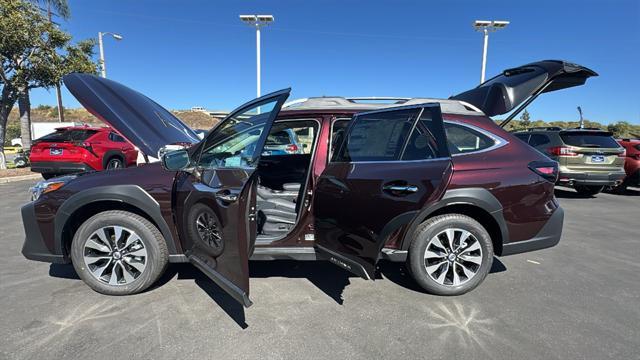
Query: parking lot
column 576, row 300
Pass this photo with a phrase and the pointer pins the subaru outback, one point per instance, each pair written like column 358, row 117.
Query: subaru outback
column 589, row 159
column 434, row 183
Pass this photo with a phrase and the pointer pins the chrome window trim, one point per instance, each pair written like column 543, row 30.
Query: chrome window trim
column 498, row 142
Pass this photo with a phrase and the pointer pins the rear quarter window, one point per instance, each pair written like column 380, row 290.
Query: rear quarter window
column 463, row 139
column 591, row 139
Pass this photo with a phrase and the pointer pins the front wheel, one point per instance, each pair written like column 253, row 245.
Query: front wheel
column 588, row 190
column 119, row 253
column 450, row 254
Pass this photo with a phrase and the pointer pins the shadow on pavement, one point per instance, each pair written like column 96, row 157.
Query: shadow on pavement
column 327, row 277
column 566, row 193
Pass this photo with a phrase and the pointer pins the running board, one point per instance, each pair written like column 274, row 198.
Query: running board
column 238, row 294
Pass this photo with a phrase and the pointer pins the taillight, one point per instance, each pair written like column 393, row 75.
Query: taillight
column 291, row 149
column 548, row 170
column 562, row 151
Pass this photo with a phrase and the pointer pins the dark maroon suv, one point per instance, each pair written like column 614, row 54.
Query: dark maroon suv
column 430, row 182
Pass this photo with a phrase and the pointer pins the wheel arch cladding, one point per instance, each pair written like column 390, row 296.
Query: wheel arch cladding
column 477, row 203
column 87, row 203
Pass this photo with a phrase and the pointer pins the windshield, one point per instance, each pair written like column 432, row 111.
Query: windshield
column 590, row 139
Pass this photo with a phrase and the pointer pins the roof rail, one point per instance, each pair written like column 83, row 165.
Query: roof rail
column 395, row 100
column 546, row 128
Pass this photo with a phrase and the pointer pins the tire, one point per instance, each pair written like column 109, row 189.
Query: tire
column 143, row 270
column 204, row 227
column 114, row 163
column 464, row 261
column 588, row 190
column 20, row 163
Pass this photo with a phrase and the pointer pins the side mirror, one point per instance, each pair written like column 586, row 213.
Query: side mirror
column 176, row 160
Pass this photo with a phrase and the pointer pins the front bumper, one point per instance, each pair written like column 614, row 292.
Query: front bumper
column 589, row 178
column 34, row 247
column 548, row 236
column 59, row 167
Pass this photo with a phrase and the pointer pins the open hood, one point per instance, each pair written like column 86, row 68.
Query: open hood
column 139, row 119
column 505, row 92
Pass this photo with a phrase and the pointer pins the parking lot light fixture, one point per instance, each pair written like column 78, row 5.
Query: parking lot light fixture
column 257, row 21
column 486, row 26
column 103, row 68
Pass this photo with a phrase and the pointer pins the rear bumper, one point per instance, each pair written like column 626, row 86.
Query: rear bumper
column 588, row 178
column 59, row 167
column 548, row 236
column 34, row 247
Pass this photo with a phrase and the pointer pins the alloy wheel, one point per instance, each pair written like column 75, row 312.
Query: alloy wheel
column 453, row 257
column 115, row 255
column 114, row 164
column 209, row 230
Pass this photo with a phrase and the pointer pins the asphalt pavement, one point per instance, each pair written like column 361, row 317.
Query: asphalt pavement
column 578, row 300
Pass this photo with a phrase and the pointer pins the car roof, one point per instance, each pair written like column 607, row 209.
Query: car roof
column 346, row 104
column 84, row 127
column 555, row 129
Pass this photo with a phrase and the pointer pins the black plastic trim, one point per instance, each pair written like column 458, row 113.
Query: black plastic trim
column 343, row 262
column 34, row 247
column 587, row 178
column 478, row 197
column 548, row 236
column 226, row 285
column 132, row 195
column 59, row 167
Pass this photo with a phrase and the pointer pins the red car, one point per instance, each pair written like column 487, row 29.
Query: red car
column 631, row 163
column 80, row 148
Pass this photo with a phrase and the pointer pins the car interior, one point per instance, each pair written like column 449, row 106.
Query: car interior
column 282, row 179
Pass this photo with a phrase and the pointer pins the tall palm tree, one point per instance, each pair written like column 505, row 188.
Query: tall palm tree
column 61, row 8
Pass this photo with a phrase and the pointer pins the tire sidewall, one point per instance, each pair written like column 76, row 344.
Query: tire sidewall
column 434, row 226
column 156, row 261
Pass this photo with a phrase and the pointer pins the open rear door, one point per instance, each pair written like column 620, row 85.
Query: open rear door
column 392, row 163
column 215, row 200
column 519, row 86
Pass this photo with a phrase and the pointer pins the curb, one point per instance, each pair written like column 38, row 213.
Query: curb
column 19, row 178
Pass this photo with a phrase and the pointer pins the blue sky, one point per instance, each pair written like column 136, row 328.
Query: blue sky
column 198, row 53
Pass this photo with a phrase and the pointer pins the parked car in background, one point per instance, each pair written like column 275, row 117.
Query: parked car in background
column 589, row 159
column 282, row 142
column 80, row 148
column 631, row 164
column 434, row 183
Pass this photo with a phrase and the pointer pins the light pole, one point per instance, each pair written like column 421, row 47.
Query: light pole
column 485, row 27
column 103, row 68
column 257, row 21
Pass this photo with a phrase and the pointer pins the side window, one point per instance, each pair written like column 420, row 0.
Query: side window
column 427, row 140
column 290, row 138
column 235, row 143
column 463, row 139
column 378, row 136
column 523, row 137
column 115, row 137
column 338, row 130
column 538, row 140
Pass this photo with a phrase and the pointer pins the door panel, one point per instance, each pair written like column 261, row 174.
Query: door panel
column 215, row 201
column 359, row 203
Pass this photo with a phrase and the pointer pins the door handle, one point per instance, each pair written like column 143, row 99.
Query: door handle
column 226, row 196
column 401, row 188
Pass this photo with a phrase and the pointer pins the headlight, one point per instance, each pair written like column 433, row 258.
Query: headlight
column 45, row 186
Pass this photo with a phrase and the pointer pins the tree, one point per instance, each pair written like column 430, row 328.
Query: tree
column 525, row 119
column 61, row 7
column 34, row 53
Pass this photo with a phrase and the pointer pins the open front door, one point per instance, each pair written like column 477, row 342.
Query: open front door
column 393, row 163
column 215, row 201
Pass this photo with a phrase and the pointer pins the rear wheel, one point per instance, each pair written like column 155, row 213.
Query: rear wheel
column 114, row 163
column 450, row 254
column 119, row 253
column 588, row 190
